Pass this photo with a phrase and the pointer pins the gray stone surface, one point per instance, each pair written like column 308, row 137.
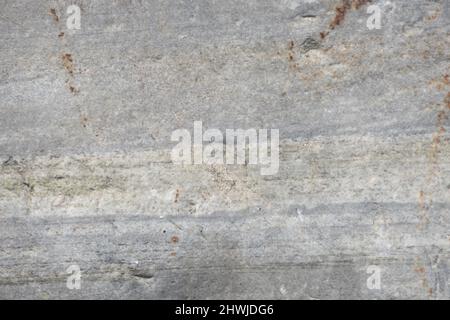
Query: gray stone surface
column 86, row 176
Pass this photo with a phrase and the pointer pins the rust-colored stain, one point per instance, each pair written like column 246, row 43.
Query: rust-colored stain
column 291, row 55
column 442, row 117
column 323, row 34
column 68, row 63
column 426, row 199
column 340, row 13
column 422, row 199
column 52, row 12
column 424, row 219
column 291, row 45
column 67, row 60
column 174, row 239
column 177, row 196
column 84, row 121
column 356, row 4
column 420, row 270
column 433, row 16
column 73, row 89
column 441, row 84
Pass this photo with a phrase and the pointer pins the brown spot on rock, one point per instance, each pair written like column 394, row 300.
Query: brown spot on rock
column 423, row 210
column 324, row 34
column 341, row 12
column 442, row 116
column 291, row 45
column 84, row 120
column 68, row 63
column 73, row 89
column 174, row 239
column 420, row 270
column 356, row 4
column 422, row 199
column 52, row 12
column 291, row 55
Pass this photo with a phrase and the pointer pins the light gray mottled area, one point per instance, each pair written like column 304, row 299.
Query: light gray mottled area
column 86, row 176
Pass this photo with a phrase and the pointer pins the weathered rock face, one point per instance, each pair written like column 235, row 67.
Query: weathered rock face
column 360, row 207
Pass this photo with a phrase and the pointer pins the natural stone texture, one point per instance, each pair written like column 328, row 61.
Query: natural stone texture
column 86, row 176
